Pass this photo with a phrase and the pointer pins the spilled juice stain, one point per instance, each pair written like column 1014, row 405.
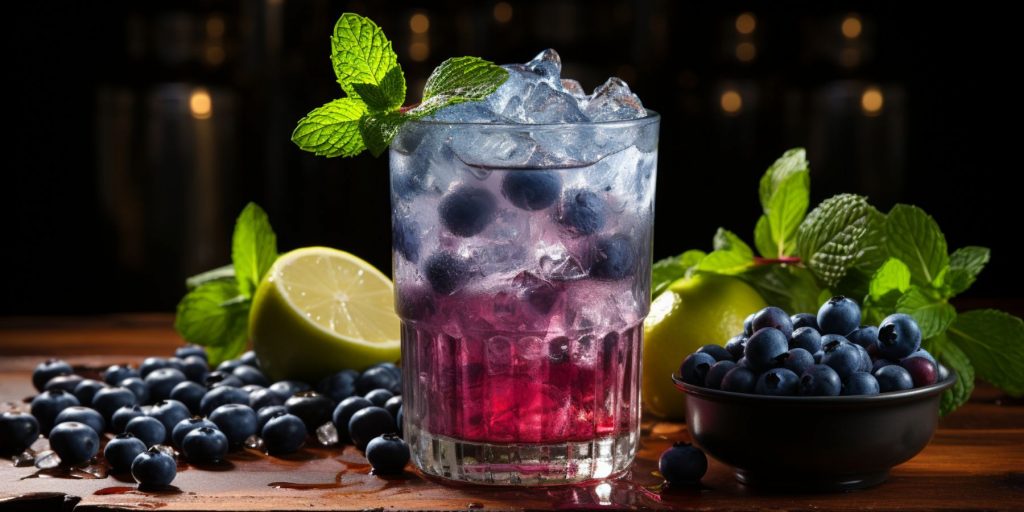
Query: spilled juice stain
column 120, row 489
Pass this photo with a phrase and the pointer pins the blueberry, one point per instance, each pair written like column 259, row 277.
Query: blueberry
column 263, row 398
column 344, row 412
column 765, row 348
column 772, row 316
column 138, row 387
column 150, row 364
column 116, row 373
column 860, row 383
column 190, row 351
column 683, row 464
column 865, row 358
column 742, row 363
column 87, row 389
column 287, row 388
column 249, row 358
column 713, row 380
column 123, row 415
column 531, row 190
column 838, row 316
column 806, row 338
column 64, row 382
column 804, row 320
column 266, row 413
column 369, row 423
column 18, row 430
column 748, row 324
column 219, row 396
column 229, row 365
column 820, row 380
column 237, row 421
column 382, row 376
column 388, row 454
column 841, row 355
column 205, row 445
column 467, row 210
column 612, row 258
column 154, row 468
column 695, row 367
column 716, row 351
column 893, row 378
column 920, row 353
column 48, row 404
column 283, row 434
column 149, row 430
column 736, row 346
column 922, row 371
column 739, row 380
column 399, row 417
column 75, row 443
column 109, row 400
column 121, row 451
column 190, row 394
column 217, row 378
column 393, row 405
column 161, row 382
column 446, row 272
column 311, row 407
column 878, row 363
column 187, row 425
column 898, row 336
column 798, row 361
column 170, row 413
column 250, row 375
column 582, row 212
column 818, row 355
column 195, row 369
column 405, row 237
column 379, row 397
column 943, row 372
column 866, row 336
column 47, row 370
column 339, row 386
column 252, row 388
column 777, row 382
column 83, row 415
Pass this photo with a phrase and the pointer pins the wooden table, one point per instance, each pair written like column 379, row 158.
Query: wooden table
column 976, row 460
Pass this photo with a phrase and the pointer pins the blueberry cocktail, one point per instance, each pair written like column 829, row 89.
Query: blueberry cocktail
column 522, row 232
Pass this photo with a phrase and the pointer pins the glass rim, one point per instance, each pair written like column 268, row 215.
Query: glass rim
column 651, row 117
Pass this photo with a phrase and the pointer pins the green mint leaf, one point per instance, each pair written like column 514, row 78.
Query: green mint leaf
column 994, row 342
column 215, row 314
column 955, row 359
column 829, row 239
column 665, row 272
column 932, row 315
column 872, row 252
column 458, row 80
column 914, row 237
column 892, row 275
column 763, row 240
column 361, row 54
column 379, row 129
column 791, row 162
column 786, row 210
column 332, row 130
column 964, row 266
column 731, row 255
column 225, row 272
column 789, row 287
column 253, row 248
column 387, row 96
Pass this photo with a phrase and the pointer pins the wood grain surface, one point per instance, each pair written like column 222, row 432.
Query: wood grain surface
column 975, row 461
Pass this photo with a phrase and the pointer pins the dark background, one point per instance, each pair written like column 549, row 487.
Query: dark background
column 118, row 182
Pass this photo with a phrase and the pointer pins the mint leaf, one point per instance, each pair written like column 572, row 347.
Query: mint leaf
column 253, row 248
column 872, row 252
column 225, row 272
column 215, row 314
column 791, row 162
column 731, row 255
column 379, row 129
column 964, row 266
column 763, row 238
column 789, row 287
column 932, row 315
column 893, row 275
column 386, row 96
column 458, row 80
column 361, row 54
column 914, row 237
column 665, row 272
column 953, row 358
column 786, row 210
column 332, row 130
column 829, row 239
column 994, row 342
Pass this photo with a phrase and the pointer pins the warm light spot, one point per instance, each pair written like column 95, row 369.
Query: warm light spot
column 419, row 23
column 604, row 494
column 746, row 52
column 731, row 101
column 872, row 101
column 419, row 51
column 851, row 27
column 746, row 23
column 849, row 57
column 215, row 26
column 200, row 104
column 502, row 12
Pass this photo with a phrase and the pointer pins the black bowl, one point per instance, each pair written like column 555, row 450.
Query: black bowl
column 812, row 443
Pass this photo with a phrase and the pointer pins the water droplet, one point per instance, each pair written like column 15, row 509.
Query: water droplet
column 326, row 434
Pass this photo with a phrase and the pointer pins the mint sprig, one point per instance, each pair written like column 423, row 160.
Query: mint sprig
column 891, row 262
column 368, row 72
column 215, row 311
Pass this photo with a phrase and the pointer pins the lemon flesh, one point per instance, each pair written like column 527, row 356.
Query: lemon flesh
column 321, row 310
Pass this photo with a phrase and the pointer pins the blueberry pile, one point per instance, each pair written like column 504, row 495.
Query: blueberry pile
column 142, row 418
column 827, row 354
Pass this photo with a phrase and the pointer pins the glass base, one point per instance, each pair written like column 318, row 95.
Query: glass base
column 520, row 464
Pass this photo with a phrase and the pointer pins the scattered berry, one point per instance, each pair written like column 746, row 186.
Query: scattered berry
column 122, row 450
column 382, row 376
column 47, row 370
column 86, row 390
column 119, row 420
column 83, row 415
column 48, row 404
column 264, row 414
column 187, row 425
column 311, row 407
column 388, row 454
column 116, row 373
column 190, row 394
column 75, row 443
column 64, row 382
column 223, row 395
column 205, row 445
column 236, row 421
column 18, row 430
column 379, row 397
column 683, row 464
column 283, row 434
column 154, row 468
column 149, row 430
column 339, row 386
column 369, row 423
column 138, row 387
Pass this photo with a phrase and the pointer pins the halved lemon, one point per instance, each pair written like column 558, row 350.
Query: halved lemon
column 320, row 310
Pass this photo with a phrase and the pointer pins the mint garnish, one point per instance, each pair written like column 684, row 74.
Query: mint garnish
column 369, row 74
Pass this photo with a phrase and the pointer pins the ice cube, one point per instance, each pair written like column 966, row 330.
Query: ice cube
column 540, row 294
column 47, row 459
column 482, row 147
column 546, row 105
column 574, row 88
column 91, row 471
column 327, row 434
column 547, row 64
column 471, row 112
column 24, row 459
column 521, row 80
column 255, row 442
column 613, row 101
column 556, row 264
